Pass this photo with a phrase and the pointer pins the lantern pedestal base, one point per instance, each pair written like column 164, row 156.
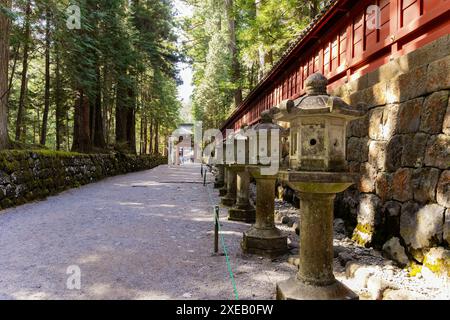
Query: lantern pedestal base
column 222, row 191
column 228, row 201
column 247, row 215
column 294, row 289
column 268, row 243
column 218, row 185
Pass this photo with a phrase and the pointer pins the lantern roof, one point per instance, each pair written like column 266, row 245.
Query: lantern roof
column 317, row 102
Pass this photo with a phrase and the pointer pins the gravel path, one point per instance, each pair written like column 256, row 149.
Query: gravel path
column 144, row 235
column 148, row 235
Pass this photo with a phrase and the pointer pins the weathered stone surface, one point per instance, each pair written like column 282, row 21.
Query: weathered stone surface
column 386, row 72
column 407, row 86
column 383, row 122
column 433, row 112
column 360, row 273
column 443, row 189
column 377, row 154
column 438, row 75
column 339, row 226
column 394, row 151
column 424, row 181
column 375, row 124
column 359, row 127
column 395, row 251
column 437, row 153
column 425, row 55
column 354, row 167
column 391, row 213
column 367, row 179
column 354, row 149
column 347, row 204
column 414, row 146
column 36, row 175
column 369, row 217
column 376, row 286
column 357, row 84
column 402, row 186
column 409, row 116
column 446, row 122
column 446, row 234
column 357, row 149
column 364, row 149
column 402, row 294
column 421, row 227
column 372, row 97
column 383, row 186
column 436, row 264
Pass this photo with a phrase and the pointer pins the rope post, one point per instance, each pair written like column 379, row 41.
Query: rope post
column 216, row 229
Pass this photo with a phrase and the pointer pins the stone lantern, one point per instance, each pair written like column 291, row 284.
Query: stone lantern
column 243, row 209
column 230, row 197
column 224, row 169
column 219, row 182
column 263, row 238
column 317, row 173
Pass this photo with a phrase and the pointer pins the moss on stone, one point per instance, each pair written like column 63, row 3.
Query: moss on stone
column 364, row 228
column 41, row 173
column 439, row 266
column 414, row 269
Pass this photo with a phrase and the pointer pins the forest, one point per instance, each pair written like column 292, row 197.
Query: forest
column 112, row 82
column 232, row 44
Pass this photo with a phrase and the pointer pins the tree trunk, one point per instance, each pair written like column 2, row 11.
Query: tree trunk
column 68, row 130
column 98, row 132
column 157, row 138
column 121, row 113
column 47, row 79
column 150, row 146
column 131, row 120
column 13, row 71
column 141, row 137
column 235, row 66
column 81, row 129
column 21, row 108
column 58, row 101
column 145, row 135
column 4, row 61
column 106, row 103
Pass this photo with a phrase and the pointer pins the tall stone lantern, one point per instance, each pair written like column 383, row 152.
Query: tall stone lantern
column 223, row 167
column 317, row 173
column 219, row 181
column 230, row 197
column 243, row 210
column 263, row 238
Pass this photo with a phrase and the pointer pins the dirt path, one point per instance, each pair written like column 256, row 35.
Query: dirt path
column 144, row 235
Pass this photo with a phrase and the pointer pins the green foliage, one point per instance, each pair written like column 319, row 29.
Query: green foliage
column 264, row 29
column 131, row 42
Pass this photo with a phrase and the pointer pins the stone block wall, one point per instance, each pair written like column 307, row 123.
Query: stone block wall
column 28, row 175
column 402, row 151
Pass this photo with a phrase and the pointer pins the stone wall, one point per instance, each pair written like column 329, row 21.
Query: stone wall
column 402, row 151
column 28, row 175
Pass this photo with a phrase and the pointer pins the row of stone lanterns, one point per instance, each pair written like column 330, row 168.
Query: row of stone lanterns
column 316, row 171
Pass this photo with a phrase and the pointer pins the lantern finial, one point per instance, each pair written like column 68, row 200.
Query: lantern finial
column 316, row 84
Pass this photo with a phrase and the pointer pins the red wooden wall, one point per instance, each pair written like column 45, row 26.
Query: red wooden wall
column 343, row 48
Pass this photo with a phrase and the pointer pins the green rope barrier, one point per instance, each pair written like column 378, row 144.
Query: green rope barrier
column 225, row 251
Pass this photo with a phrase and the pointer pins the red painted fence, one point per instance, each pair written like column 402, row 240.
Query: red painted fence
column 343, row 47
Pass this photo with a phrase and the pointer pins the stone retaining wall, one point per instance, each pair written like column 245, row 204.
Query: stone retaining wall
column 402, row 151
column 28, row 175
